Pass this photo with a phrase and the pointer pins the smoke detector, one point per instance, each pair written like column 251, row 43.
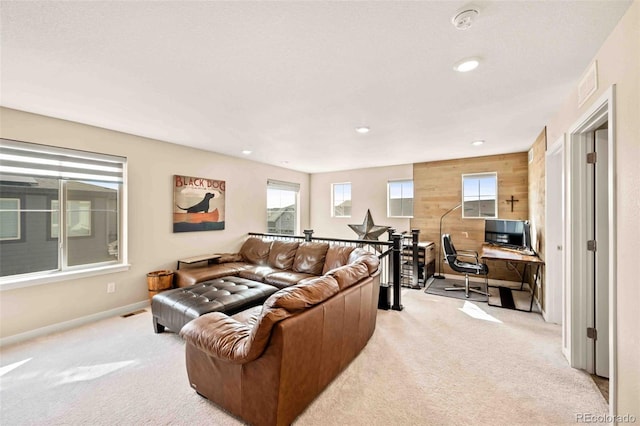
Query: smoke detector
column 464, row 19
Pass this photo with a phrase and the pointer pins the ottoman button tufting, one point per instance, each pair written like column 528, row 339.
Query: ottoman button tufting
column 174, row 308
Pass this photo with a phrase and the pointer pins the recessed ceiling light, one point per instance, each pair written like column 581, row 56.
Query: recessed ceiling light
column 362, row 130
column 246, row 151
column 477, row 143
column 467, row 65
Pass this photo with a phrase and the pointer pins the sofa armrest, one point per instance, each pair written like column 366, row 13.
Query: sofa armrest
column 229, row 257
column 218, row 335
column 225, row 338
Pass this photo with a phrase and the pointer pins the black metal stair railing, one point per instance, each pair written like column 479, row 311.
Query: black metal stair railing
column 389, row 253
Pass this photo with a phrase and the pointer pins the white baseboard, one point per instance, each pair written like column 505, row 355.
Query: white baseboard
column 66, row 325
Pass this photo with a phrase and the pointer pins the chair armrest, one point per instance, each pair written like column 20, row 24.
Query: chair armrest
column 467, row 253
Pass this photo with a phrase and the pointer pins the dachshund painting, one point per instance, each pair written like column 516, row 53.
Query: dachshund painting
column 202, row 206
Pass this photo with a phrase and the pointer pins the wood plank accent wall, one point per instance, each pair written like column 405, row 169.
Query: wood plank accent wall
column 537, row 172
column 438, row 188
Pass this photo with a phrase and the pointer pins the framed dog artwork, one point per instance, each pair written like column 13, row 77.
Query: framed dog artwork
column 198, row 204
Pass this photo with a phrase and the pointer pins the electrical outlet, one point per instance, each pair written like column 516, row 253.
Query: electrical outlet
column 111, row 287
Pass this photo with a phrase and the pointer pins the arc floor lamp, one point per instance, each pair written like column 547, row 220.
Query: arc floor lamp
column 439, row 275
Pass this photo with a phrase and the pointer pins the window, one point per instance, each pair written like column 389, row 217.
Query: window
column 10, row 219
column 341, row 200
column 62, row 211
column 479, row 195
column 400, row 198
column 282, row 207
column 78, row 218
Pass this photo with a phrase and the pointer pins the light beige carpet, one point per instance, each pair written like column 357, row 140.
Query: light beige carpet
column 432, row 363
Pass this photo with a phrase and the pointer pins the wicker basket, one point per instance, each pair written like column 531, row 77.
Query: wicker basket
column 158, row 281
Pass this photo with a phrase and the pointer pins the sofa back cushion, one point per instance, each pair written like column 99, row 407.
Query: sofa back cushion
column 302, row 296
column 310, row 258
column 256, row 251
column 348, row 275
column 361, row 255
column 337, row 256
column 282, row 254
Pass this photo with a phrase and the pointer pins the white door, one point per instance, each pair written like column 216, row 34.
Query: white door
column 597, row 261
column 601, row 292
column 554, row 233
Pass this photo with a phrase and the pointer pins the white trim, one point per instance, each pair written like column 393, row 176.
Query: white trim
column 28, row 280
column 601, row 111
column 482, row 174
column 333, row 201
column 554, row 313
column 413, row 192
column 77, row 322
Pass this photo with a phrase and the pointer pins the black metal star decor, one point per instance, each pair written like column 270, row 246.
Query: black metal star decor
column 368, row 230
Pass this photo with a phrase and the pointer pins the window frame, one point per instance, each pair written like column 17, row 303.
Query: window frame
column 285, row 186
column 463, row 200
column 400, row 181
column 333, row 198
column 19, row 214
column 89, row 212
column 17, row 155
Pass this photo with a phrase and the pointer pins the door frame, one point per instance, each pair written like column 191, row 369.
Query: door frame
column 601, row 111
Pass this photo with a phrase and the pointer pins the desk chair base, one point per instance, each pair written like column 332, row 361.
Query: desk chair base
column 467, row 288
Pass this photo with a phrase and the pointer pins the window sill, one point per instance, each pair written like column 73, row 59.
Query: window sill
column 11, row 283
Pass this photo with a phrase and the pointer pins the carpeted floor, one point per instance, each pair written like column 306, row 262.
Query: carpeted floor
column 437, row 287
column 503, row 297
column 440, row 361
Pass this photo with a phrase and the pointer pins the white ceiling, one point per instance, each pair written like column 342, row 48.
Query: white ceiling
column 291, row 80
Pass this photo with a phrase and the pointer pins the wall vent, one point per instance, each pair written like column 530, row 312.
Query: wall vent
column 589, row 84
column 130, row 314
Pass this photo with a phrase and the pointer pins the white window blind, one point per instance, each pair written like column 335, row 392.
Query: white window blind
column 70, row 216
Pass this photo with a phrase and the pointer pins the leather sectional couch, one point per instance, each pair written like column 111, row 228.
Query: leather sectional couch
column 267, row 363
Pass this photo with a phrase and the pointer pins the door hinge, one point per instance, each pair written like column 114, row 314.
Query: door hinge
column 592, row 245
column 592, row 333
column 592, row 157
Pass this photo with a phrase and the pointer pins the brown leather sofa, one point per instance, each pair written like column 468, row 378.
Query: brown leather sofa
column 267, row 364
column 241, row 280
column 278, row 263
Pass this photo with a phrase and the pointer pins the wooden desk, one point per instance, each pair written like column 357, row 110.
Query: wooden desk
column 497, row 253
column 194, row 259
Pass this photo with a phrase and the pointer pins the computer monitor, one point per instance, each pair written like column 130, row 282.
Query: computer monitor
column 512, row 233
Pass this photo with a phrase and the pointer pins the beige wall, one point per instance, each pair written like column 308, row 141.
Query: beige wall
column 368, row 191
column 619, row 64
column 152, row 243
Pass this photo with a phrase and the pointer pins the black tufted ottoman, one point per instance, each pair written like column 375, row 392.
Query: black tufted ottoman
column 174, row 308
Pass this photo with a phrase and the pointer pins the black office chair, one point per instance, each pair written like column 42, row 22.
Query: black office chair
column 451, row 257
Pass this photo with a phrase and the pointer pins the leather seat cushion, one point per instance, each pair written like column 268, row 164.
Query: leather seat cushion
column 257, row 273
column 286, row 278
